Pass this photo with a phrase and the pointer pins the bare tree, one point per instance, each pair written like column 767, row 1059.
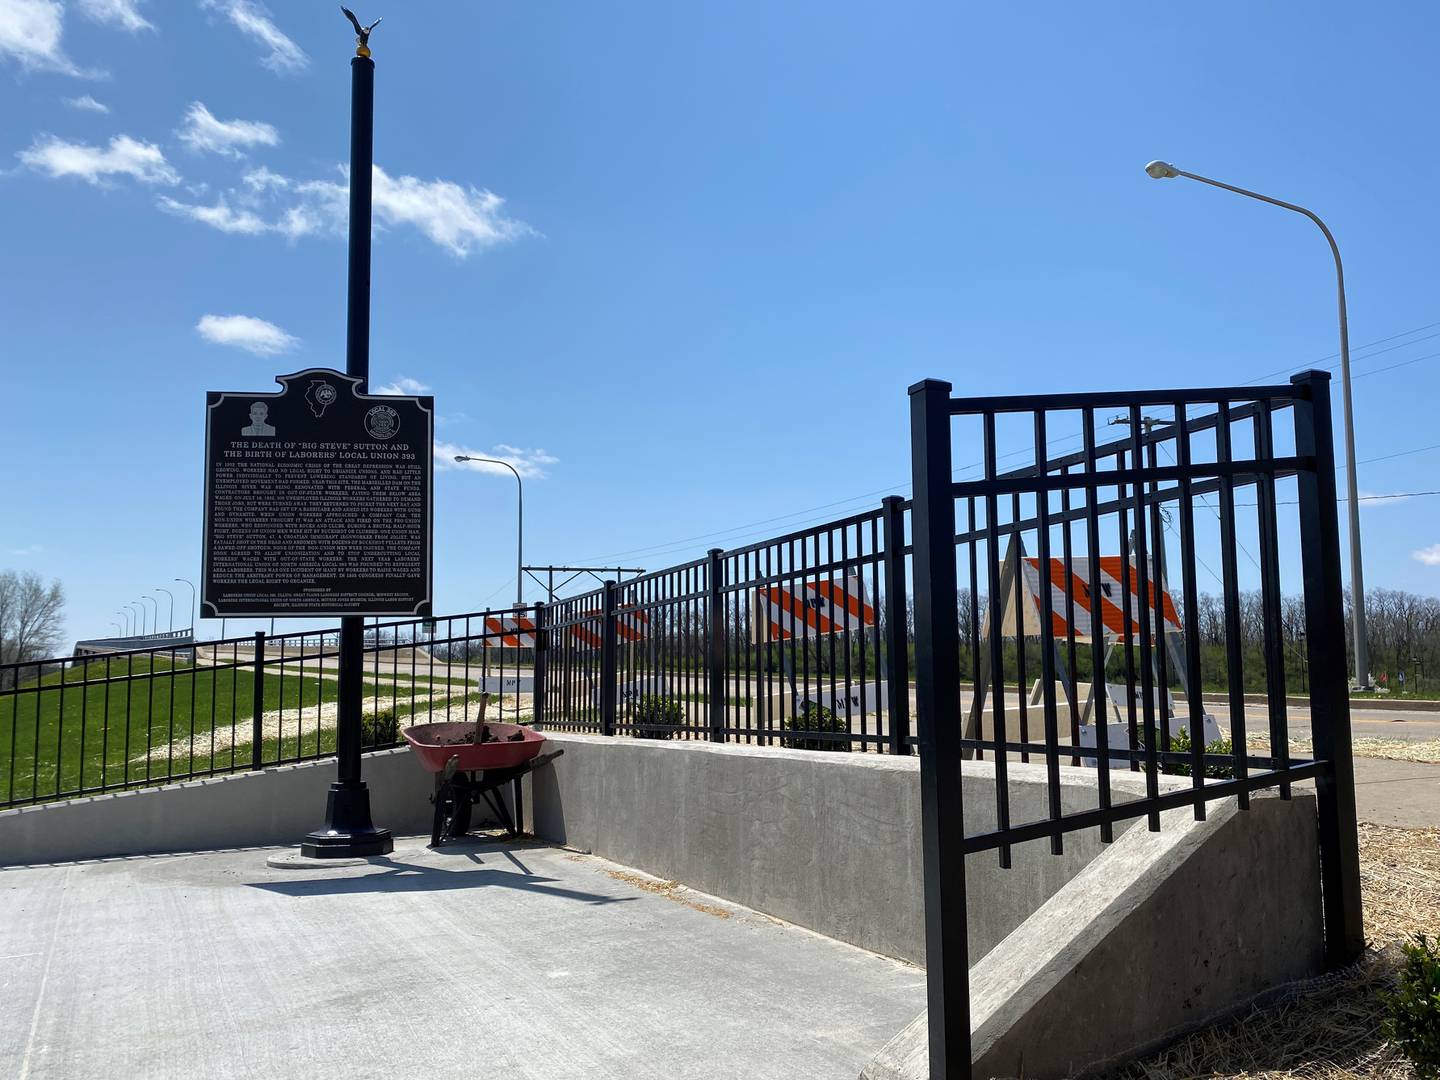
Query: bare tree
column 31, row 617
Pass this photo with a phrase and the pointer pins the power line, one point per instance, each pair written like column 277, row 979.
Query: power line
column 1358, row 348
column 747, row 528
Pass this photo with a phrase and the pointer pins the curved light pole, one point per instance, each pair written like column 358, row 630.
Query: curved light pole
column 1163, row 170
column 193, row 620
column 167, row 592
column 155, row 622
column 519, row 518
column 139, row 616
column 119, row 630
column 125, row 615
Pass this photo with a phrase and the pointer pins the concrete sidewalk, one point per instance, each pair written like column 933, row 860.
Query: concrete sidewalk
column 481, row 959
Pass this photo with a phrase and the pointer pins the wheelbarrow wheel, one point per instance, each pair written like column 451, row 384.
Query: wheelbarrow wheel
column 452, row 810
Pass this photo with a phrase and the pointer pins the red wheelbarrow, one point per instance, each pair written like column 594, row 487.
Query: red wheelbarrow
column 471, row 762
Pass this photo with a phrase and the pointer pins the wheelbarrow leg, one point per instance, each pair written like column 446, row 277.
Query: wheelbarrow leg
column 496, row 801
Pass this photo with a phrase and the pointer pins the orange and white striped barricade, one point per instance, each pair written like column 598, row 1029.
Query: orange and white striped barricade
column 1113, row 591
column 509, row 631
column 809, row 609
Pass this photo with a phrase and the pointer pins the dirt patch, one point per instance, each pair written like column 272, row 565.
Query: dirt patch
column 1330, row 1027
column 671, row 890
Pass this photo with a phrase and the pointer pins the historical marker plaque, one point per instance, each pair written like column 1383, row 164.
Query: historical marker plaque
column 317, row 500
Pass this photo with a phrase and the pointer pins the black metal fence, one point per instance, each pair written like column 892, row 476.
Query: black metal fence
column 1065, row 542
column 1054, row 621
column 133, row 717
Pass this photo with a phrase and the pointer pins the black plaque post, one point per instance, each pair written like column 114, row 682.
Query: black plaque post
column 349, row 831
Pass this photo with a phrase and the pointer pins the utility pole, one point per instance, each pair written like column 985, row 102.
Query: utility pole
column 349, row 831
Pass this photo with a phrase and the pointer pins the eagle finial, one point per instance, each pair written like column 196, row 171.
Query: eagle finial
column 362, row 33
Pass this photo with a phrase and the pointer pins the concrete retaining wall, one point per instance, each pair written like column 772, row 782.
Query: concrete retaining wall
column 1161, row 934
column 827, row 840
column 273, row 806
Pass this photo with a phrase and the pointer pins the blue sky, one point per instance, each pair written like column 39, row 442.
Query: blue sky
column 679, row 262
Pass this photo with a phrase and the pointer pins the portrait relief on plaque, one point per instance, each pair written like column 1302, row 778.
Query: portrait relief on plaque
column 258, row 428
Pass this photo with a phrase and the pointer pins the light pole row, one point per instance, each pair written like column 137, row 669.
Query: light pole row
column 134, row 612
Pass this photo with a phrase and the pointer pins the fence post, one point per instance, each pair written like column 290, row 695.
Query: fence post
column 1329, row 678
column 715, row 644
column 257, row 723
column 897, row 650
column 542, row 647
column 609, row 675
column 937, row 679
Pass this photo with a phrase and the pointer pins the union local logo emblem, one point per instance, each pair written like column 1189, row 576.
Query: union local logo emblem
column 382, row 422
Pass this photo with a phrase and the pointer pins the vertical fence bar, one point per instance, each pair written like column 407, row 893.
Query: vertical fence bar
column 937, row 676
column 609, row 676
column 1044, row 593
column 542, row 658
column 1274, row 644
column 996, row 615
column 715, row 644
column 1230, row 577
column 1191, row 593
column 257, row 720
column 1145, row 581
column 897, row 650
column 1098, row 650
column 1329, row 693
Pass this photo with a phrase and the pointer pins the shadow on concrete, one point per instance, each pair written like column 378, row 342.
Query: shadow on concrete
column 405, row 877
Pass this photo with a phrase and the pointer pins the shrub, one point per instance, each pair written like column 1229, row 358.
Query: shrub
column 1180, row 744
column 658, row 718
column 816, row 718
column 379, row 729
column 1413, row 1023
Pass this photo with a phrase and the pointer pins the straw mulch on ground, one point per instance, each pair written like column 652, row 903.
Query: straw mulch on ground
column 1330, row 1027
column 1426, row 751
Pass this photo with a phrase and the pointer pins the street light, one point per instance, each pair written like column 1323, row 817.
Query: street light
column 1163, row 170
column 155, row 622
column 119, row 629
column 125, row 614
column 139, row 616
column 192, row 603
column 519, row 517
column 167, row 592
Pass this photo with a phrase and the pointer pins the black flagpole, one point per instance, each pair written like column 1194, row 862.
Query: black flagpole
column 348, row 831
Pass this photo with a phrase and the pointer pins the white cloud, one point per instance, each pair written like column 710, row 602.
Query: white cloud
column 29, row 549
column 86, row 103
column 30, row 33
column 124, row 157
column 220, row 216
column 246, row 332
column 460, row 219
column 122, row 13
column 528, row 463
column 254, row 21
column 1429, row 556
column 203, row 131
column 262, row 179
column 403, row 385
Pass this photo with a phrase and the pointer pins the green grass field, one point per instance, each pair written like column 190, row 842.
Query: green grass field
column 74, row 731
